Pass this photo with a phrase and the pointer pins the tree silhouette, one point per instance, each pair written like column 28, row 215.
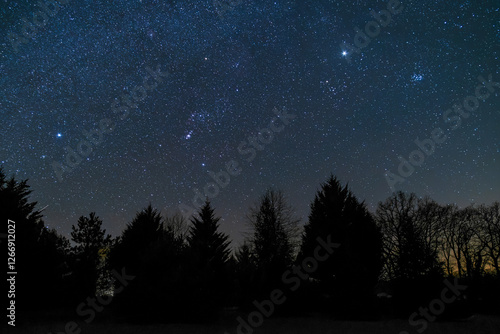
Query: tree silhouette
column 178, row 225
column 410, row 252
column 208, row 257
column 489, row 220
column 14, row 196
column 488, row 286
column 40, row 253
column 471, row 242
column 139, row 235
column 90, row 239
column 352, row 271
column 274, row 238
column 186, row 273
column 153, row 252
column 245, row 275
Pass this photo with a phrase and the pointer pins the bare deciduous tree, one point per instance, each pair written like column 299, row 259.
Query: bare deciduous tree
column 411, row 235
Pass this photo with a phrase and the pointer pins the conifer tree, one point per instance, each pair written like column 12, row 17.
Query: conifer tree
column 352, row 271
column 208, row 257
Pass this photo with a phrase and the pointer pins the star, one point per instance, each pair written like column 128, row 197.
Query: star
column 417, row 77
column 344, row 53
column 59, row 135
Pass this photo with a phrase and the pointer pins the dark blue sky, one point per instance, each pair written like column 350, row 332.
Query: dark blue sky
column 169, row 91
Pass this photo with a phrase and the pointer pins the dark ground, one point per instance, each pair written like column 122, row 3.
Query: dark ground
column 477, row 324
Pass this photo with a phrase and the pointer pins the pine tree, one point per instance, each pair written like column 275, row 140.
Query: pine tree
column 152, row 250
column 208, row 253
column 90, row 239
column 15, row 205
column 273, row 240
column 40, row 252
column 351, row 272
column 139, row 235
column 205, row 242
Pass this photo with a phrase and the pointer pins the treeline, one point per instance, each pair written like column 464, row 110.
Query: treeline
column 345, row 261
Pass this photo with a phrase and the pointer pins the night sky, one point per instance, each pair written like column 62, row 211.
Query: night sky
column 170, row 91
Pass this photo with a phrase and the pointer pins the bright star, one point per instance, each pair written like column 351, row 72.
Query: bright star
column 59, row 135
column 344, row 53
